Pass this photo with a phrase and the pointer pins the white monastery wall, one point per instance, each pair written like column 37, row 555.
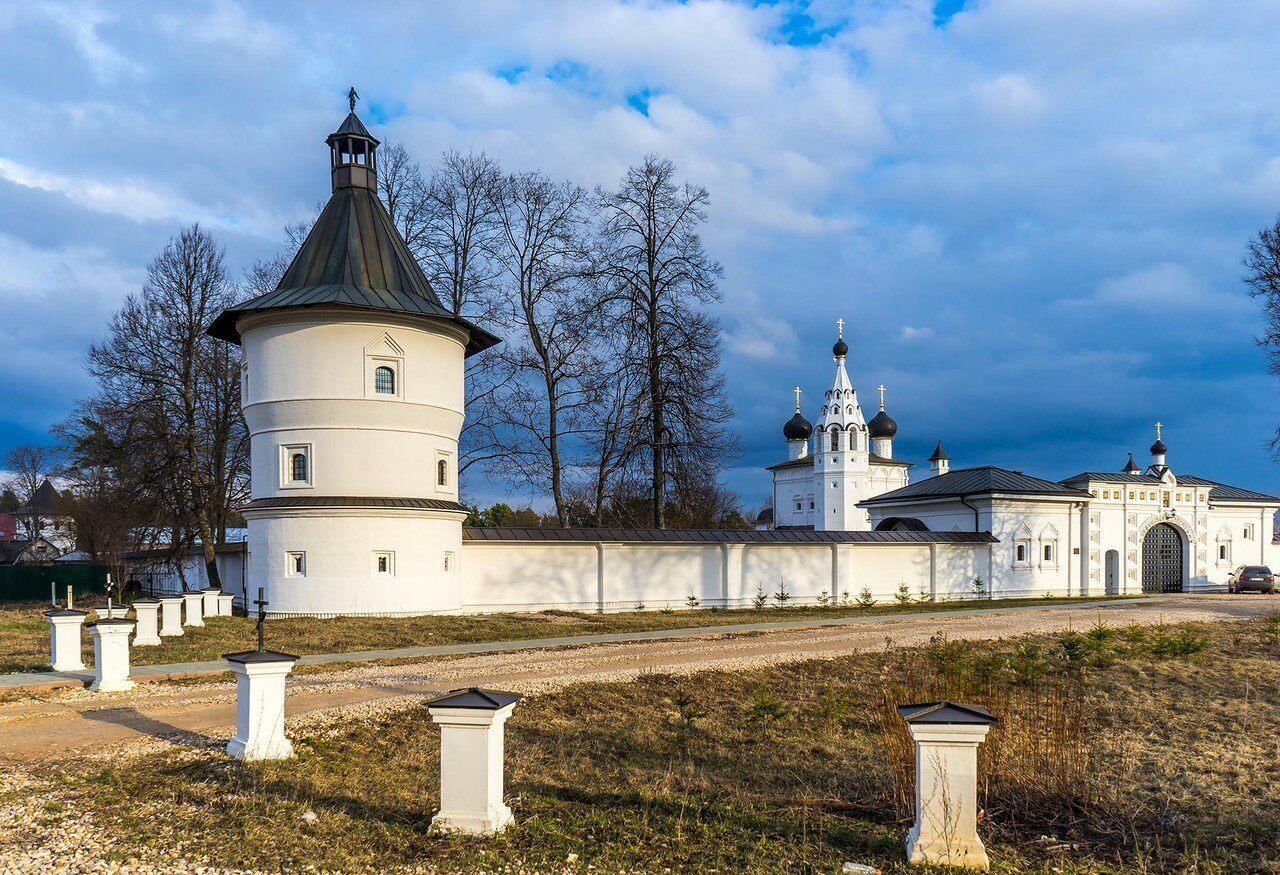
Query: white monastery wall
column 614, row 577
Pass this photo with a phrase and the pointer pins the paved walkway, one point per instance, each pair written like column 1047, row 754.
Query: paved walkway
column 35, row 680
column 78, row 722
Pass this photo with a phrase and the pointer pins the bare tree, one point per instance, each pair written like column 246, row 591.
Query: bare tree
column 612, row 433
column 30, row 465
column 178, row 389
column 1262, row 276
column 551, row 315
column 455, row 228
column 663, row 281
column 264, row 274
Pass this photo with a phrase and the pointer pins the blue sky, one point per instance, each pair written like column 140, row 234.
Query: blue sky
column 1030, row 213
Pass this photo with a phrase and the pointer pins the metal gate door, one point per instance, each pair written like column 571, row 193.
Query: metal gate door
column 1162, row 559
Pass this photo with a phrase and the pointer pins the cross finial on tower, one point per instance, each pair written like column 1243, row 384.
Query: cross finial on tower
column 840, row 329
column 797, row 391
column 1159, row 425
column 881, row 390
column 352, row 97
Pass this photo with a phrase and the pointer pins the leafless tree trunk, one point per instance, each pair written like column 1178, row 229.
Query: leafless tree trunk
column 551, row 317
column 663, row 282
column 180, row 386
column 1262, row 275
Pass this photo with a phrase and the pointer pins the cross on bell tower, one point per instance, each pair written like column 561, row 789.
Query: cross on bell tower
column 881, row 390
column 797, row 391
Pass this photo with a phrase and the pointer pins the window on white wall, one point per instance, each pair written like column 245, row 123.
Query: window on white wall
column 1224, row 552
column 295, row 465
column 295, row 564
column 1020, row 553
column 1022, row 546
column 384, row 380
column 448, row 561
column 1049, row 546
column 384, row 563
column 1248, row 532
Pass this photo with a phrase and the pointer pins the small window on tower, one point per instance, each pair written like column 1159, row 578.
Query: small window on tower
column 1021, row 555
column 295, row 465
column 295, row 564
column 384, row 563
column 384, row 380
column 835, row 440
column 442, row 473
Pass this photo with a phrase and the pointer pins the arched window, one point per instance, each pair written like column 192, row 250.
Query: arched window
column 835, row 439
column 442, row 473
column 384, row 380
column 298, row 467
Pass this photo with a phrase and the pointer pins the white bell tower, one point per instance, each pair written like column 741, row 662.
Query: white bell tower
column 841, row 460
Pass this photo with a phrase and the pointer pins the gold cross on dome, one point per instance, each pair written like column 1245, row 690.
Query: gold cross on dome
column 797, row 391
column 881, row 390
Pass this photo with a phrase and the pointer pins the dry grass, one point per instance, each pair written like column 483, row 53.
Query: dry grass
column 1129, row 752
column 24, row 634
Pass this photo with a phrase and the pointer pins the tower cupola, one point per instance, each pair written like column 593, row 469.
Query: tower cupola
column 797, row 431
column 1158, row 449
column 939, row 462
column 1131, row 467
column 840, row 349
column 353, row 151
column 881, row 429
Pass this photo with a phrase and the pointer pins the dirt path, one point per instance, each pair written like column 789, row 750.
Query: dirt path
column 65, row 723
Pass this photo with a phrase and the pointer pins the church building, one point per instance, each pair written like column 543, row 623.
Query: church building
column 1135, row 530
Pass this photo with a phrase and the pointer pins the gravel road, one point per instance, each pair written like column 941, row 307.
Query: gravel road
column 70, row 723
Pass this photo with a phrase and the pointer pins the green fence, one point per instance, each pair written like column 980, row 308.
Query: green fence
column 23, row 583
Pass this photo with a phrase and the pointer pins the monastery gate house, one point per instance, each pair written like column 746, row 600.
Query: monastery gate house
column 353, row 393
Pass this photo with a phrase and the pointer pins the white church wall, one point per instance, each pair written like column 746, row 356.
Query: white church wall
column 533, row 577
column 806, row 570
column 160, row 576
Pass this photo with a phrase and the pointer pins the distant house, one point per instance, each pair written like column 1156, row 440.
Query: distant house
column 8, row 527
column 27, row 552
column 45, row 517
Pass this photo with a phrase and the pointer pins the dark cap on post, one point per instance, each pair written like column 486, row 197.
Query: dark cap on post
column 66, row 612
column 249, row 656
column 118, row 621
column 946, row 712
column 475, row 698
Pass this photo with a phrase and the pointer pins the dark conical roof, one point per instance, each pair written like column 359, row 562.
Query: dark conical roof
column 882, row 425
column 353, row 126
column 1131, row 467
column 353, row 258
column 939, row 454
column 797, row 428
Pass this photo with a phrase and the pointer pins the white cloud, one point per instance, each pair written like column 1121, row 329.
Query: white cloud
column 911, row 332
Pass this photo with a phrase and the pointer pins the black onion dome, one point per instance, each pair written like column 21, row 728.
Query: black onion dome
column 1158, row 448
column 939, row 454
column 1131, row 467
column 882, row 425
column 841, row 349
column 797, row 428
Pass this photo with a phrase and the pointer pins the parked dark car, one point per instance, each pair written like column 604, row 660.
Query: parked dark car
column 1248, row 578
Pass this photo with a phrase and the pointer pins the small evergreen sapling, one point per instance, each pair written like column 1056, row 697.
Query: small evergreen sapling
column 979, row 588
column 824, row 599
column 923, row 595
column 782, row 596
column 865, row 598
column 903, row 595
column 692, row 600
column 759, row 600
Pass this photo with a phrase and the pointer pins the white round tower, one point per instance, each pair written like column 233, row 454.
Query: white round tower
column 352, row 387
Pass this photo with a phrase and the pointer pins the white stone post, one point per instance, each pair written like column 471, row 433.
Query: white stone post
column 471, row 741
column 147, row 612
column 260, row 691
column 194, row 602
column 226, row 602
column 946, row 828
column 111, row 656
column 170, row 616
column 65, row 629
column 210, row 604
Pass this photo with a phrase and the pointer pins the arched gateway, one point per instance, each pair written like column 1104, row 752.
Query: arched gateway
column 1162, row 559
